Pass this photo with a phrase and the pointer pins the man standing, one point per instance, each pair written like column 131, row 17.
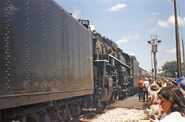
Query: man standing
column 140, row 88
column 145, row 89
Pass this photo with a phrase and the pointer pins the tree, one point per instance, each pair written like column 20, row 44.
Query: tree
column 169, row 69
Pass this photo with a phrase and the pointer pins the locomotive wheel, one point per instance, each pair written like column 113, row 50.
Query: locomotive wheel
column 115, row 96
column 100, row 107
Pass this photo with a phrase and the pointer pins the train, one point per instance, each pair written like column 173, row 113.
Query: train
column 53, row 68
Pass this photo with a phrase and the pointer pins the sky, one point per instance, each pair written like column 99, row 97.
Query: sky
column 131, row 23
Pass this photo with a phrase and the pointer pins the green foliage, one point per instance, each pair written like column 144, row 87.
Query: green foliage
column 169, row 69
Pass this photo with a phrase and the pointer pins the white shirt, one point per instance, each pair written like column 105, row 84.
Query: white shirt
column 153, row 95
column 172, row 117
column 146, row 83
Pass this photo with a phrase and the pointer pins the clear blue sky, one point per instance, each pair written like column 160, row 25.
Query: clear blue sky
column 130, row 23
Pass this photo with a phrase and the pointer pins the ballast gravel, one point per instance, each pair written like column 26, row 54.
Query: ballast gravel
column 121, row 115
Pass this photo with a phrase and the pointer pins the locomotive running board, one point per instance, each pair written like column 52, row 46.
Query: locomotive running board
column 120, row 61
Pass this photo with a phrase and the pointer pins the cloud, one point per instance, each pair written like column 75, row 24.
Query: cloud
column 171, row 21
column 126, row 39
column 154, row 13
column 171, row 51
column 117, row 7
column 123, row 40
column 104, row 1
column 76, row 13
column 163, row 23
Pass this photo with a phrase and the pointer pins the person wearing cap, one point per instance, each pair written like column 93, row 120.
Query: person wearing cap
column 152, row 94
column 153, row 107
column 180, row 82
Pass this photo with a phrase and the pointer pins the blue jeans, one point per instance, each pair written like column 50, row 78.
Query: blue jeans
column 145, row 95
column 140, row 90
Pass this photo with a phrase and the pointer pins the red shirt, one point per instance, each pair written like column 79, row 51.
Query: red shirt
column 141, row 84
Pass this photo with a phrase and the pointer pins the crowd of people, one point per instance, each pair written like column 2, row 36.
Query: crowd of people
column 165, row 99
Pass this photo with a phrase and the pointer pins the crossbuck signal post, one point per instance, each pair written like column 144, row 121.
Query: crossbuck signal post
column 154, row 43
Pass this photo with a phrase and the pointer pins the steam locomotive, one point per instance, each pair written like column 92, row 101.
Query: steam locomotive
column 53, row 68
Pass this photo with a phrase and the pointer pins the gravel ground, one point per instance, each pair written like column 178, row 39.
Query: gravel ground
column 127, row 110
column 121, row 115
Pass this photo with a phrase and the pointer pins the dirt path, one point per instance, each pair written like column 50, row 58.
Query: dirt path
column 130, row 102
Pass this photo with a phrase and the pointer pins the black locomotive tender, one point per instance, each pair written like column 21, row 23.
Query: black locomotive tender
column 52, row 68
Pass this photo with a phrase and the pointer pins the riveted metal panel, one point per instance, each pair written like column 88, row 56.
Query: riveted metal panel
column 43, row 51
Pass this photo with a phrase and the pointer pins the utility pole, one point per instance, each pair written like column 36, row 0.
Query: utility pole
column 154, row 43
column 178, row 54
column 152, row 65
column 183, row 71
